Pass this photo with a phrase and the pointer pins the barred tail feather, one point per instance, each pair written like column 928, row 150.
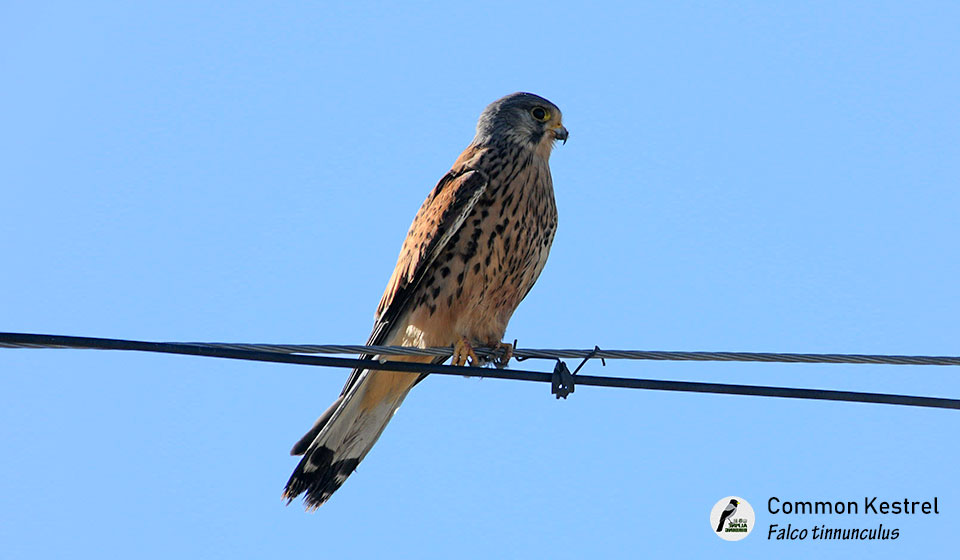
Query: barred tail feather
column 341, row 438
column 319, row 474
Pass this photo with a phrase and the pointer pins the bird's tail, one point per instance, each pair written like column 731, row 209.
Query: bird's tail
column 343, row 435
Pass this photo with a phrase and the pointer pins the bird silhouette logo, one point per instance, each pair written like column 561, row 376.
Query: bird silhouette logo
column 732, row 518
column 727, row 512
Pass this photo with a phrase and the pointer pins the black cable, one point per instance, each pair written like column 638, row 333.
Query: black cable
column 27, row 340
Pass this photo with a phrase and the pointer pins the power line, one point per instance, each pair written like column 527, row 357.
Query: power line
column 563, row 381
column 6, row 341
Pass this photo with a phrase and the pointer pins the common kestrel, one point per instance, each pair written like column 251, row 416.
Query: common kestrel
column 474, row 250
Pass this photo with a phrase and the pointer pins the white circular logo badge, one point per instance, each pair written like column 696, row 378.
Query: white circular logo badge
column 732, row 518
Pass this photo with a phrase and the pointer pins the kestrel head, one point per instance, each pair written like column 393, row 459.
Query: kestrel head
column 521, row 118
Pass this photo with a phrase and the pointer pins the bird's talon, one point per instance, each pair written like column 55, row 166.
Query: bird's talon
column 463, row 350
column 502, row 361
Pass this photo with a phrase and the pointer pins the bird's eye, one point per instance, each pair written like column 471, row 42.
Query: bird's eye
column 540, row 114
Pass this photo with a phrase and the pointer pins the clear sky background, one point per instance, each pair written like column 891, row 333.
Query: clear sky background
column 760, row 177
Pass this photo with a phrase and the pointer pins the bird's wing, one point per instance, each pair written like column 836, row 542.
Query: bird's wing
column 439, row 219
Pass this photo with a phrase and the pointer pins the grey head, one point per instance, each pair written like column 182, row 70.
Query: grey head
column 521, row 118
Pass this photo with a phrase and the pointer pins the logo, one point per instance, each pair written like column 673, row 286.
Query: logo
column 732, row 518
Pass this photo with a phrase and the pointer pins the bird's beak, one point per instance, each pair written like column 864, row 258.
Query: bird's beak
column 560, row 133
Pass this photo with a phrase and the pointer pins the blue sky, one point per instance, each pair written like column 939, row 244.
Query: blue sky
column 756, row 177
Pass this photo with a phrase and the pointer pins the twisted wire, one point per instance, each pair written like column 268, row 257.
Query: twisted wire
column 555, row 354
column 561, row 379
column 6, row 341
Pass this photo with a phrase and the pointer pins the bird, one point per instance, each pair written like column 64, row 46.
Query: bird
column 474, row 250
column 727, row 512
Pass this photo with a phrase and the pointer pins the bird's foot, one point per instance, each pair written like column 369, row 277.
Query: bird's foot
column 501, row 361
column 463, row 350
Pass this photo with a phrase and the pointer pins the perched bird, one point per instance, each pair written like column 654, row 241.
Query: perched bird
column 474, row 250
column 727, row 512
